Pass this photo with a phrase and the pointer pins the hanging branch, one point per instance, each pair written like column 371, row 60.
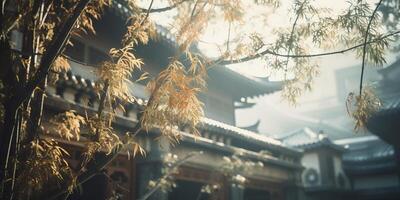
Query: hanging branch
column 101, row 107
column 16, row 151
column 229, row 37
column 365, row 45
column 90, row 172
column 298, row 13
column 222, row 61
column 147, row 13
column 153, row 10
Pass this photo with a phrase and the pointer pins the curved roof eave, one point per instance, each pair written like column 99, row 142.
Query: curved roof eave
column 249, row 86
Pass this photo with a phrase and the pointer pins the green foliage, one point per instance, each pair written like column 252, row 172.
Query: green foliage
column 46, row 162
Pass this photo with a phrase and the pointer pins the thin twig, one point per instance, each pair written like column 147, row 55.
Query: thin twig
column 229, row 37
column 91, row 172
column 194, row 9
column 365, row 45
column 291, row 37
column 101, row 107
column 16, row 149
column 147, row 13
column 153, row 10
column 169, row 173
column 222, row 61
column 3, row 5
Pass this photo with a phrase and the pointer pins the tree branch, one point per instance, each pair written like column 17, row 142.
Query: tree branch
column 153, row 10
column 365, row 45
column 298, row 12
column 147, row 13
column 269, row 52
column 52, row 52
column 92, row 171
column 169, row 173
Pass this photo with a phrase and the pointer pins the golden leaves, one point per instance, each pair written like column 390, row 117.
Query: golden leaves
column 362, row 107
column 102, row 133
column 133, row 145
column 61, row 64
column 46, row 160
column 232, row 10
column 140, row 30
column 174, row 99
column 190, row 23
column 291, row 91
column 304, row 73
column 101, row 137
column 274, row 3
column 68, row 125
column 119, row 72
column 90, row 13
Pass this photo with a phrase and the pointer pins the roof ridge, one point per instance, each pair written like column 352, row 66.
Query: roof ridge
column 241, row 131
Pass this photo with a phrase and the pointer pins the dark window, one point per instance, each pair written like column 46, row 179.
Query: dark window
column 186, row 190
column 254, row 194
column 96, row 187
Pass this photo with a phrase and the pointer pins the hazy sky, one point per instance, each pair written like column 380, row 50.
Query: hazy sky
column 277, row 117
column 261, row 19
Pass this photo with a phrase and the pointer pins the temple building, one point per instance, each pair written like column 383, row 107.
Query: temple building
column 277, row 177
column 323, row 176
column 304, row 164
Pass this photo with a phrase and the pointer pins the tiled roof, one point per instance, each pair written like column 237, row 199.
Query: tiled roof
column 300, row 137
column 391, row 104
column 368, row 156
column 370, row 150
column 85, row 84
column 306, row 138
column 249, row 136
column 241, row 132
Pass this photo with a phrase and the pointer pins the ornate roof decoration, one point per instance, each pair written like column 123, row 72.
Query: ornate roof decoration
column 241, row 104
column 245, row 134
column 253, row 127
